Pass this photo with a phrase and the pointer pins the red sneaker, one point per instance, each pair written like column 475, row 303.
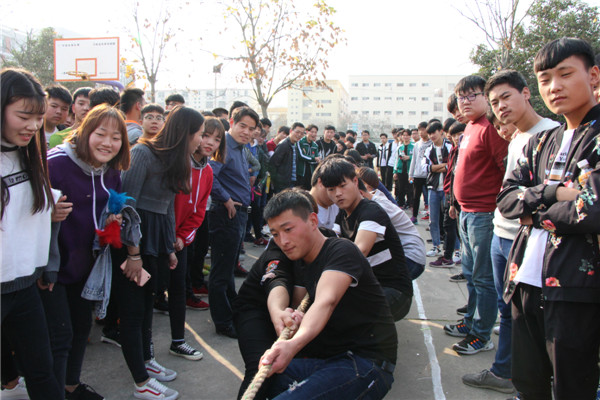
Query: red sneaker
column 203, row 291
column 261, row 242
column 196, row 304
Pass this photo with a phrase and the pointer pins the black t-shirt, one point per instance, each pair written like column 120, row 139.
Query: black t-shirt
column 260, row 280
column 368, row 148
column 387, row 255
column 362, row 321
column 325, row 148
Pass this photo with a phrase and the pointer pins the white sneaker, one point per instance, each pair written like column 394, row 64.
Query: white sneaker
column 18, row 392
column 154, row 390
column 434, row 252
column 158, row 372
column 497, row 330
column 456, row 257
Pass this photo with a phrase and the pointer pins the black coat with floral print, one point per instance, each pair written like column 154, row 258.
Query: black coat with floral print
column 571, row 265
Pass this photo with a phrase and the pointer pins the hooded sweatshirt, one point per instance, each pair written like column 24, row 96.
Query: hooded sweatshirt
column 87, row 188
column 415, row 169
column 190, row 209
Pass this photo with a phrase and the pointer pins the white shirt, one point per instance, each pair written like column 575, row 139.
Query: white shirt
column 327, row 216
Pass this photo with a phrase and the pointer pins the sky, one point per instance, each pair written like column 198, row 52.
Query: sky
column 384, row 37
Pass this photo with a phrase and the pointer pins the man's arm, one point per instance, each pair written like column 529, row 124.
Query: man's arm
column 365, row 240
column 330, row 289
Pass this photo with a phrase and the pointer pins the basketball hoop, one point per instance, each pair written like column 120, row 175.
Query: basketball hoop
column 83, row 75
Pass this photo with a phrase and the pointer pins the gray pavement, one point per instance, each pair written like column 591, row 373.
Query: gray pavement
column 422, row 372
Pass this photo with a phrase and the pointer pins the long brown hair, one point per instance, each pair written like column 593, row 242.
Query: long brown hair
column 94, row 118
column 15, row 85
column 171, row 146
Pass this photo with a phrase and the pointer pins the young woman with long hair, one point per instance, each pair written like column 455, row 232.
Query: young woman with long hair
column 26, row 206
column 83, row 168
column 160, row 168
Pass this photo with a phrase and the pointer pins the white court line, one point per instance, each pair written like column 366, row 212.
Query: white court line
column 436, row 372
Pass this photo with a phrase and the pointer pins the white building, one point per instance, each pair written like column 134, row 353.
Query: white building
column 204, row 99
column 319, row 105
column 10, row 39
column 382, row 102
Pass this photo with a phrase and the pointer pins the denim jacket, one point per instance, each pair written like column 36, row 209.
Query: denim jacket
column 97, row 286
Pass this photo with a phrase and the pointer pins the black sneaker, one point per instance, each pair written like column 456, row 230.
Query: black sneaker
column 161, row 305
column 83, row 392
column 186, row 351
column 457, row 278
column 462, row 310
column 111, row 336
column 240, row 271
column 228, row 331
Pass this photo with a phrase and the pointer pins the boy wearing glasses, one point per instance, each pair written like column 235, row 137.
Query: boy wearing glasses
column 477, row 181
column 152, row 120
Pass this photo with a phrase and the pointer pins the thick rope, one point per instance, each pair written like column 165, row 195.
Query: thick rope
column 264, row 370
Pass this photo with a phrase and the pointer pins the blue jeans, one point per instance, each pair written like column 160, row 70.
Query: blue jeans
column 436, row 200
column 502, row 363
column 346, row 376
column 414, row 269
column 476, row 230
column 226, row 237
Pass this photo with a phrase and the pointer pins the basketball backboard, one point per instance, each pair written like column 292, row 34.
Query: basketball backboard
column 94, row 59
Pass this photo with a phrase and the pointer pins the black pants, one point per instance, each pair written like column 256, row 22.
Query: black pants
column 25, row 329
column 404, row 190
column 450, row 231
column 135, row 312
column 387, row 177
column 420, row 187
column 554, row 338
column 177, row 296
column 256, row 335
column 196, row 253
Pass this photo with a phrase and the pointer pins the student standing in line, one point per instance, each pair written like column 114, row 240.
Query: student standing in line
column 160, row 168
column 27, row 204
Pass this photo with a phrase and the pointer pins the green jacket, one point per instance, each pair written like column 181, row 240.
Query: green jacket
column 401, row 165
column 307, row 153
column 59, row 137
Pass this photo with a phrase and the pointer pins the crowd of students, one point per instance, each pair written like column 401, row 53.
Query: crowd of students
column 114, row 221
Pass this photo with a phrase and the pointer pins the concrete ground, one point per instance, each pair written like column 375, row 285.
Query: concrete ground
column 427, row 367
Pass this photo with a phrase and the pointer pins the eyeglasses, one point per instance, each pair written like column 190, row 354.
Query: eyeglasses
column 151, row 117
column 471, row 97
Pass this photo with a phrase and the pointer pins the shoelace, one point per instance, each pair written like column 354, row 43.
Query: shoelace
column 186, row 348
column 156, row 385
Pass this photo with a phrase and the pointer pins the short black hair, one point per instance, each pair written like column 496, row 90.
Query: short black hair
column 336, row 136
column 559, row 50
column 342, row 134
column 104, row 95
column 512, row 78
column 422, row 125
column 59, row 92
column 284, row 129
column 383, row 134
column 297, row 124
column 152, row 107
column 207, row 113
column 225, row 123
column 351, row 139
column 470, row 82
column 297, row 202
column 82, row 91
column 312, row 126
column 129, row 97
column 236, row 104
column 175, row 97
column 266, row 122
column 457, row 127
column 334, row 171
column 329, row 128
column 447, row 124
column 219, row 112
column 434, row 127
column 452, row 103
column 241, row 112
column 366, row 131
column 355, row 157
column 350, row 132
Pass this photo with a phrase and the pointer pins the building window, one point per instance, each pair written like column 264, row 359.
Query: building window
column 424, row 113
column 387, row 98
column 354, row 112
column 376, row 98
column 353, row 98
column 376, row 112
column 388, row 85
column 399, row 84
column 399, row 112
column 306, row 103
column 365, row 98
column 412, row 84
column 424, row 84
column 325, row 101
column 387, row 113
column 376, row 84
column 354, row 84
column 438, row 107
column 365, row 113
column 438, row 92
column 400, row 98
column 365, row 85
column 424, row 98
column 409, row 113
column 412, row 99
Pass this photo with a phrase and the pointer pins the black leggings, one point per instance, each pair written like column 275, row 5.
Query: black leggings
column 177, row 296
column 420, row 186
column 135, row 312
